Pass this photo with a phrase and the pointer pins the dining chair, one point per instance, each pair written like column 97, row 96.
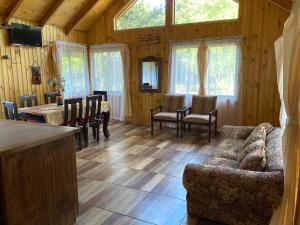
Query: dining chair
column 51, row 96
column 102, row 93
column 202, row 112
column 73, row 116
column 169, row 111
column 92, row 116
column 28, row 100
column 10, row 110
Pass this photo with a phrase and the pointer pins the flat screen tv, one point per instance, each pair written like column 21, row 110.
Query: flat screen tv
column 20, row 34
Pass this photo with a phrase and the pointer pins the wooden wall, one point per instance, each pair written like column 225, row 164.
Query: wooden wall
column 15, row 73
column 260, row 24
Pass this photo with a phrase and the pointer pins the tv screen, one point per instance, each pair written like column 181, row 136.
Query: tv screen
column 20, row 34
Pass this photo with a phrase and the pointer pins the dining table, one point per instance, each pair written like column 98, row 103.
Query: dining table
column 53, row 114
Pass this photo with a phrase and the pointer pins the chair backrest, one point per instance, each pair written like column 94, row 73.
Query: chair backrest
column 93, row 108
column 203, row 104
column 10, row 110
column 171, row 103
column 51, row 96
column 102, row 93
column 28, row 100
column 73, row 111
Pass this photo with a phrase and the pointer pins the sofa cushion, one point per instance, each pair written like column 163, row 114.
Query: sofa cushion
column 196, row 118
column 274, row 151
column 268, row 127
column 229, row 149
column 259, row 133
column 257, row 145
column 165, row 116
column 255, row 161
column 222, row 162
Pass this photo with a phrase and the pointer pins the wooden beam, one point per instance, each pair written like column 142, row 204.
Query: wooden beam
column 50, row 12
column 80, row 15
column 284, row 4
column 10, row 11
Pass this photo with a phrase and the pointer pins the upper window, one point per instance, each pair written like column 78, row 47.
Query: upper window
column 193, row 11
column 142, row 13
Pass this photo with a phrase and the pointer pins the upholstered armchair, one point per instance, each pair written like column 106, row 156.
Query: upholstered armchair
column 202, row 112
column 169, row 111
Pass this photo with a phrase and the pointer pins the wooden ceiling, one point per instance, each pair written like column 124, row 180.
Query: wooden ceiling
column 71, row 15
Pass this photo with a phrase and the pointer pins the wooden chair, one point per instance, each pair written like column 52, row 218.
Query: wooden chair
column 202, row 112
column 92, row 116
column 10, row 110
column 51, row 96
column 73, row 116
column 169, row 111
column 28, row 100
column 102, row 93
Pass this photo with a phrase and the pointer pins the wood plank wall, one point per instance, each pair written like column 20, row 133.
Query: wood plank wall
column 15, row 73
column 260, row 24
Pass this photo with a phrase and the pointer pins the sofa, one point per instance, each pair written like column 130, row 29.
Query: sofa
column 219, row 190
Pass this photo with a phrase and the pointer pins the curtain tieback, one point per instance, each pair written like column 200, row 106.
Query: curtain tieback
column 292, row 121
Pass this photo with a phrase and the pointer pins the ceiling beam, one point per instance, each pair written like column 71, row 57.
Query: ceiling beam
column 80, row 15
column 10, row 11
column 284, row 4
column 50, row 12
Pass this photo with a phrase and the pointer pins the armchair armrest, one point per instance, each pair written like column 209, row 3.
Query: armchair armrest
column 236, row 132
column 184, row 110
column 213, row 113
column 228, row 185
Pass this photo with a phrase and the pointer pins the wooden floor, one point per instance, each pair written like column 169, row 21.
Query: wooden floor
column 134, row 178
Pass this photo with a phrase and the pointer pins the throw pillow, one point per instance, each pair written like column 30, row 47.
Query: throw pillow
column 267, row 126
column 257, row 145
column 254, row 161
column 259, row 133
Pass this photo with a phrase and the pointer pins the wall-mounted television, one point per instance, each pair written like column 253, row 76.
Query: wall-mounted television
column 20, row 34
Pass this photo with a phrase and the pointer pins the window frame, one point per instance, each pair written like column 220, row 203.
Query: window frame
column 127, row 7
column 205, row 22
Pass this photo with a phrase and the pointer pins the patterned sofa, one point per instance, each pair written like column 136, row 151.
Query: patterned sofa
column 218, row 190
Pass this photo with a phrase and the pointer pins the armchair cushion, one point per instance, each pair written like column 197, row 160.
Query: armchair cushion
column 196, row 118
column 229, row 149
column 257, row 145
column 166, row 116
column 203, row 104
column 172, row 103
column 255, row 160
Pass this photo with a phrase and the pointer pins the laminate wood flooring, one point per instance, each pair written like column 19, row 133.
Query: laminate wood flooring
column 134, row 178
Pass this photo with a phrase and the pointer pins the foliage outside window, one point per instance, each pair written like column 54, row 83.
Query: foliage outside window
column 222, row 71
column 193, row 11
column 143, row 13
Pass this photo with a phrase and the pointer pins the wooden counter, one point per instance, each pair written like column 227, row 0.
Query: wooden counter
column 38, row 183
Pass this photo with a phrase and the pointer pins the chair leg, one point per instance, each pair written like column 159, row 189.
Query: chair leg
column 98, row 137
column 94, row 132
column 177, row 129
column 152, row 126
column 190, row 127
column 209, row 135
column 160, row 125
column 80, row 140
column 216, row 129
column 86, row 136
column 182, row 128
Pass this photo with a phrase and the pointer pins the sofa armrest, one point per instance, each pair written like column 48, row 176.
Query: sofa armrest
column 236, row 132
column 228, row 185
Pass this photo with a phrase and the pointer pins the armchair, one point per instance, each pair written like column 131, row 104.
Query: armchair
column 202, row 112
column 169, row 111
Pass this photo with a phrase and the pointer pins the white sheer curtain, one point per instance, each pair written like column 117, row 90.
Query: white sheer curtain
column 73, row 63
column 107, row 72
column 222, row 79
column 184, row 78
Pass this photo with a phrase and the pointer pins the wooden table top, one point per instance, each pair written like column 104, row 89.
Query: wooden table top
column 18, row 136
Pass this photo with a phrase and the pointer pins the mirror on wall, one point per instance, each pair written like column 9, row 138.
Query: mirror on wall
column 150, row 74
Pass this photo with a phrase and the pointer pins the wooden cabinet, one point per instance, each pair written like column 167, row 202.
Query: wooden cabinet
column 38, row 182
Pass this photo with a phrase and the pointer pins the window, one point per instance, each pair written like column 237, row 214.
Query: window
column 74, row 69
column 223, row 69
column 107, row 75
column 142, row 13
column 184, row 70
column 193, row 11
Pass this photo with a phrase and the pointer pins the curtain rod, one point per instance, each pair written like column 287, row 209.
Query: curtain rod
column 207, row 39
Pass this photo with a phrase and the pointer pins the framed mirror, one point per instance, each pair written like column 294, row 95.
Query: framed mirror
column 150, row 74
